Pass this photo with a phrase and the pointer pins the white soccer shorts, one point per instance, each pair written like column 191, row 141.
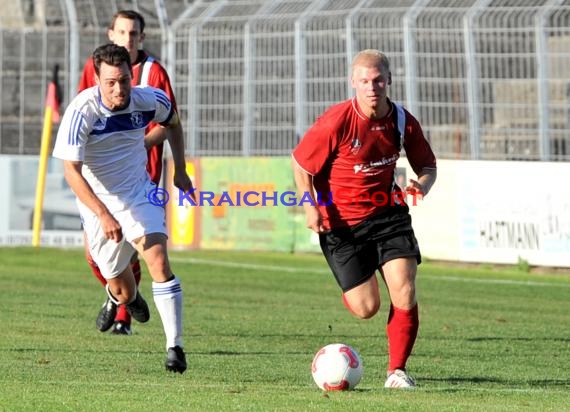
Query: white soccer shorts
column 137, row 219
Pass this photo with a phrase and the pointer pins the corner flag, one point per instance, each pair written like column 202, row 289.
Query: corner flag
column 53, row 97
column 51, row 115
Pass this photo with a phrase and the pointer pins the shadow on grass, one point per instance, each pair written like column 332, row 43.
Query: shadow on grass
column 511, row 339
column 498, row 339
column 508, row 383
column 141, row 351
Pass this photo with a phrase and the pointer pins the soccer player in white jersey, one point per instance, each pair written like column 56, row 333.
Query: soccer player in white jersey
column 101, row 141
column 127, row 30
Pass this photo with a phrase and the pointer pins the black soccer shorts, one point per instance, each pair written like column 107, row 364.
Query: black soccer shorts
column 354, row 253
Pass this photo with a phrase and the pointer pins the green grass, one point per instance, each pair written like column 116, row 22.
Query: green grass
column 490, row 339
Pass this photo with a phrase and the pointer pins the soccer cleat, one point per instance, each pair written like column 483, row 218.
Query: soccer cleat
column 121, row 328
column 399, row 379
column 175, row 360
column 138, row 309
column 106, row 315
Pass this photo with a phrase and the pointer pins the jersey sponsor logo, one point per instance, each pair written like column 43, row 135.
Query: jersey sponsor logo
column 373, row 168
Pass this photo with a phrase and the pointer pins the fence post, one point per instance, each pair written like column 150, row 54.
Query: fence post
column 409, row 26
column 74, row 64
column 473, row 78
column 193, row 55
column 301, row 69
column 351, row 49
column 542, row 68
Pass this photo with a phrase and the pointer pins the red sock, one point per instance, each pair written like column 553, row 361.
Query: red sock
column 122, row 314
column 402, row 330
column 95, row 269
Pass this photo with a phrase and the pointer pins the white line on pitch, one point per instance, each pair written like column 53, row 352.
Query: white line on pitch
column 273, row 268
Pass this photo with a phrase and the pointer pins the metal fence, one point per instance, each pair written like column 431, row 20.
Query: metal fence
column 488, row 79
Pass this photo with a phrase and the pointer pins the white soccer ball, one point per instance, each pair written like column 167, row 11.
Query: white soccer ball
column 337, row 367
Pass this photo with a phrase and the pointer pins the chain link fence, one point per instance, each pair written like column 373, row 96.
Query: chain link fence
column 488, row 79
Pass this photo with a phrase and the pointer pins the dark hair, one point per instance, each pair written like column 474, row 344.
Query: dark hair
column 112, row 55
column 128, row 14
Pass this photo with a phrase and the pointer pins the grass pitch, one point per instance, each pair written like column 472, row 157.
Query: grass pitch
column 489, row 340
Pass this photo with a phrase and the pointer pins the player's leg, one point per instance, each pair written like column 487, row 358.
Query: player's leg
column 94, row 268
column 122, row 290
column 363, row 300
column 398, row 256
column 353, row 262
column 110, row 315
column 122, row 321
column 113, row 259
column 167, row 293
column 106, row 315
column 403, row 319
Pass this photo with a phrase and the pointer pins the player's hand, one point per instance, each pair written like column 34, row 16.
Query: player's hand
column 111, row 227
column 415, row 189
column 314, row 220
column 183, row 182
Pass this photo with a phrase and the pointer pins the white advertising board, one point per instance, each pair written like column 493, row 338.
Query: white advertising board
column 478, row 211
column 496, row 212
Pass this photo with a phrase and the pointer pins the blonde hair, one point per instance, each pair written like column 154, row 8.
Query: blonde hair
column 371, row 58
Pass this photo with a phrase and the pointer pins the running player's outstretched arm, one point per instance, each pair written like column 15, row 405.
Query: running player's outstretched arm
column 304, row 182
column 421, row 187
column 77, row 183
column 175, row 137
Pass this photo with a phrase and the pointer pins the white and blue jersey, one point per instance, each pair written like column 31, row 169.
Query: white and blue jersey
column 111, row 143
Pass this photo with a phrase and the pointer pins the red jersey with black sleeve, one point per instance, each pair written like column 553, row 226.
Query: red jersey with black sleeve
column 352, row 160
column 148, row 72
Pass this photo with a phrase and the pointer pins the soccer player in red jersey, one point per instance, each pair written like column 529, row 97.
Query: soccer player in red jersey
column 346, row 163
column 127, row 30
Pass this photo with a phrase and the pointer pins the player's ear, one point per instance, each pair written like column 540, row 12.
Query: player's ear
column 110, row 35
column 389, row 78
column 142, row 36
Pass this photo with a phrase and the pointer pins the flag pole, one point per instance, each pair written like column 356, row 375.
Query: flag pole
column 51, row 115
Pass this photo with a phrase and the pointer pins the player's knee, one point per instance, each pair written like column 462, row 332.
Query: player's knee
column 363, row 309
column 368, row 310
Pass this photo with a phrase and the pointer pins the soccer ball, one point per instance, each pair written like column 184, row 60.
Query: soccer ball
column 337, row 367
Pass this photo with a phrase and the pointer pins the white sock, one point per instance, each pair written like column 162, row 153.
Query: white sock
column 168, row 300
column 113, row 299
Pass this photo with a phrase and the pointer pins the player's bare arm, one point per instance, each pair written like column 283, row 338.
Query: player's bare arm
column 421, row 187
column 155, row 137
column 175, row 137
column 77, row 183
column 304, row 182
